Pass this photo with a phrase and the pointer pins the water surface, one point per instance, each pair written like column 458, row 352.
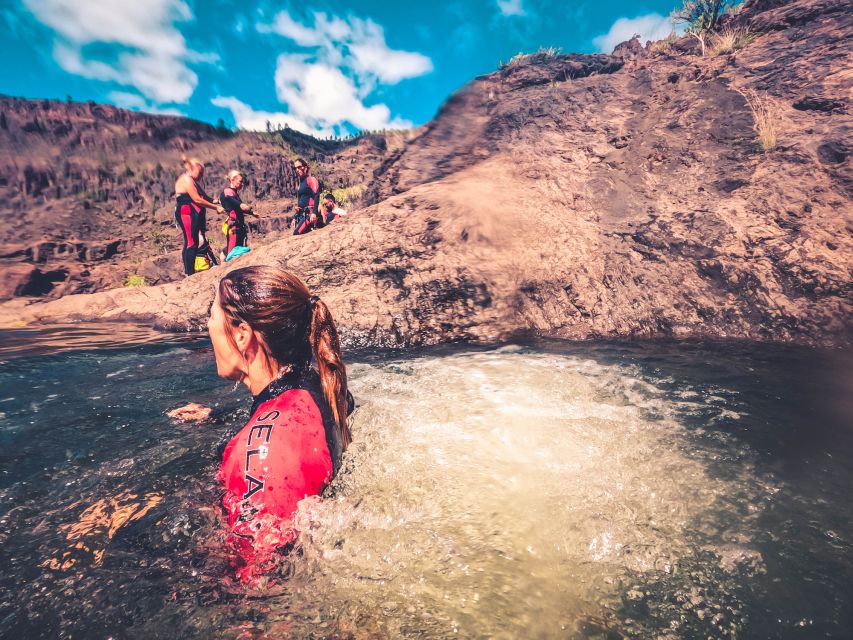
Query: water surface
column 663, row 490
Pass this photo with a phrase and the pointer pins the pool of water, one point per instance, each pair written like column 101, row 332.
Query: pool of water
column 549, row 490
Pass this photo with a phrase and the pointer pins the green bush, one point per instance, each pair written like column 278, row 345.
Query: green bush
column 349, row 196
column 135, row 280
column 700, row 15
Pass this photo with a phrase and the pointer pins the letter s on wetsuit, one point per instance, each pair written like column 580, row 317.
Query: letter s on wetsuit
column 288, row 450
column 307, row 199
column 238, row 233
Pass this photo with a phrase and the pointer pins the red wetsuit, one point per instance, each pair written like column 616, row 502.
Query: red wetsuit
column 288, row 450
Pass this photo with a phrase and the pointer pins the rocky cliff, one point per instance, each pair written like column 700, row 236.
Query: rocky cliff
column 653, row 192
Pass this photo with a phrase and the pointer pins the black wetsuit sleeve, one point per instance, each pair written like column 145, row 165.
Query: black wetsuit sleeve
column 231, row 204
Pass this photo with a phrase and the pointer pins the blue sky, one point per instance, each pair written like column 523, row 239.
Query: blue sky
column 322, row 67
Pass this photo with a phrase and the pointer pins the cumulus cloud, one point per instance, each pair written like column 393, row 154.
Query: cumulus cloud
column 251, row 120
column 322, row 94
column 354, row 44
column 649, row 27
column 346, row 59
column 152, row 55
column 511, row 7
column 136, row 102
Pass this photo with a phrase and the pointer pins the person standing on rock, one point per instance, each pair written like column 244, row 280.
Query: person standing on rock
column 190, row 214
column 306, row 215
column 237, row 232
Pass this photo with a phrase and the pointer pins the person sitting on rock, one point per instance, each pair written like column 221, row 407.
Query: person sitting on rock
column 331, row 210
column 190, row 214
column 237, row 232
column 306, row 216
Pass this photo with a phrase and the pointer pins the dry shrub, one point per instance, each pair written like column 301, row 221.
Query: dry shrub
column 540, row 55
column 663, row 46
column 729, row 40
column 764, row 116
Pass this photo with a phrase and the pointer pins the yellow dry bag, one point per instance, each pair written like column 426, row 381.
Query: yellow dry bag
column 201, row 264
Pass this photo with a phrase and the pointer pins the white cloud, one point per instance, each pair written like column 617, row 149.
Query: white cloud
column 354, row 44
column 511, row 7
column 348, row 59
column 322, row 94
column 389, row 67
column 649, row 27
column 154, row 54
column 286, row 26
column 136, row 102
column 251, row 120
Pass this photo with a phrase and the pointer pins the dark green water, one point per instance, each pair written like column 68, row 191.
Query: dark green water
column 540, row 490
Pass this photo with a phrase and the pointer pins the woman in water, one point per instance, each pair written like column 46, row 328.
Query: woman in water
column 266, row 327
column 190, row 213
column 238, row 233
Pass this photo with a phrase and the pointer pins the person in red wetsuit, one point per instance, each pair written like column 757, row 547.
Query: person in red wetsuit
column 266, row 327
column 190, row 205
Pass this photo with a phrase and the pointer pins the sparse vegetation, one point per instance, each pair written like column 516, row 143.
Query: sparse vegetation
column 665, row 45
column 700, row 15
column 520, row 57
column 729, row 40
column 734, row 9
column 135, row 280
column 159, row 238
column 349, row 196
column 764, row 117
column 701, row 18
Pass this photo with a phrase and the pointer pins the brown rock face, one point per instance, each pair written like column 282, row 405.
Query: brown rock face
column 594, row 196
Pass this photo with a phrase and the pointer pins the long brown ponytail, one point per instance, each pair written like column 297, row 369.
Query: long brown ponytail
column 293, row 325
column 333, row 372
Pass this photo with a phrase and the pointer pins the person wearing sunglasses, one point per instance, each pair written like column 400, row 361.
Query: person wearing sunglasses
column 306, row 217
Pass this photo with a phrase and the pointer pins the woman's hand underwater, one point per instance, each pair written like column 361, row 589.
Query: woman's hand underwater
column 192, row 412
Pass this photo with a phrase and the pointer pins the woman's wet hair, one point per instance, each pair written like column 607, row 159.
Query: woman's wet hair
column 189, row 163
column 293, row 325
column 232, row 174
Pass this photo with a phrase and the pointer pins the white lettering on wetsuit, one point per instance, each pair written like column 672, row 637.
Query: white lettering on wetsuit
column 263, row 431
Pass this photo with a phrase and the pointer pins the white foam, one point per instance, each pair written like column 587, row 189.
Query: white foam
column 544, row 484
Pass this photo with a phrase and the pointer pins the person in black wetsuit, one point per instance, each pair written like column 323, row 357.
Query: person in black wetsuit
column 238, row 232
column 307, row 216
column 190, row 213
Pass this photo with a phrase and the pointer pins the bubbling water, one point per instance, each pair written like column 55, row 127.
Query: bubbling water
column 514, row 494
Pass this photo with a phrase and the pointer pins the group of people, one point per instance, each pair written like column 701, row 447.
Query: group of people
column 192, row 204
column 271, row 333
column 307, row 215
